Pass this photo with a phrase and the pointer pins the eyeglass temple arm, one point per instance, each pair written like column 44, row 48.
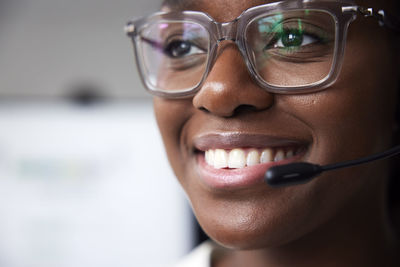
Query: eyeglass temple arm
column 384, row 19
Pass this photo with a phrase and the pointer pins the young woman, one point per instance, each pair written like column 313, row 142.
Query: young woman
column 255, row 84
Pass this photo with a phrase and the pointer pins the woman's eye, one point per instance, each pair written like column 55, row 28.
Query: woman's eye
column 294, row 38
column 179, row 49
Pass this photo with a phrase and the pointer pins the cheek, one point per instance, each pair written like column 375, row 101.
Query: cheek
column 355, row 117
column 350, row 120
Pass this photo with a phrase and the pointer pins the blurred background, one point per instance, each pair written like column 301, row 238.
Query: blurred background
column 84, row 180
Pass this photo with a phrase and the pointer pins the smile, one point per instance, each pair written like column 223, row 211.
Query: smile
column 231, row 161
column 240, row 158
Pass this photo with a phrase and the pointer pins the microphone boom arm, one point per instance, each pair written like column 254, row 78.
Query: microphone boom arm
column 386, row 154
column 302, row 172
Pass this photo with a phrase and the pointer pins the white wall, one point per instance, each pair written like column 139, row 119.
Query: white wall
column 87, row 186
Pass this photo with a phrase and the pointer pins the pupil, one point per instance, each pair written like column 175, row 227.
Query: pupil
column 178, row 49
column 292, row 38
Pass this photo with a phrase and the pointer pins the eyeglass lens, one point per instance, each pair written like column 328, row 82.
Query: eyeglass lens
column 174, row 54
column 286, row 49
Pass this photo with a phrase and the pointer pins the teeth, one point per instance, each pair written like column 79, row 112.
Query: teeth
column 280, row 155
column 266, row 156
column 240, row 158
column 237, row 158
column 253, row 158
column 209, row 155
column 220, row 159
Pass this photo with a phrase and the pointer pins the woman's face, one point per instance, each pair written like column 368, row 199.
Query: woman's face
column 352, row 118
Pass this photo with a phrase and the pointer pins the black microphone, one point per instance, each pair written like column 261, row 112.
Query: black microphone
column 303, row 172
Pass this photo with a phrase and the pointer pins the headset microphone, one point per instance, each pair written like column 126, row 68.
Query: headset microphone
column 302, row 172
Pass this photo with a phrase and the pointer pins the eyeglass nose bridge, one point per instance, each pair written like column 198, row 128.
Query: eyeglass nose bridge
column 227, row 31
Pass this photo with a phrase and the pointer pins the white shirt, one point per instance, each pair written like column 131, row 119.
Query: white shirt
column 201, row 256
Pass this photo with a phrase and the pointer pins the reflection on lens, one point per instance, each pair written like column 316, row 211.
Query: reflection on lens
column 293, row 48
column 174, row 54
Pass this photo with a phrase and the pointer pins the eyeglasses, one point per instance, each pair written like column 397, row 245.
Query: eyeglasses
column 289, row 46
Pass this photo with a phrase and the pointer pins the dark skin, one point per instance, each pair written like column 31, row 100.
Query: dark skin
column 339, row 219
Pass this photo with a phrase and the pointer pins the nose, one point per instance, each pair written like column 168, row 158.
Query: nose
column 229, row 88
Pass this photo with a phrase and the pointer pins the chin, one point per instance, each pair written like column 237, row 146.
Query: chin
column 250, row 236
column 255, row 223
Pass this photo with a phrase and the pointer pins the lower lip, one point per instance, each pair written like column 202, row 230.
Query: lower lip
column 236, row 178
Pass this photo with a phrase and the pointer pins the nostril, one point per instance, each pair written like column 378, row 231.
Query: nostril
column 204, row 109
column 244, row 109
column 232, row 109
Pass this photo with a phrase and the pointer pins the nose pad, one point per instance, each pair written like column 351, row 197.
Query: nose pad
column 229, row 88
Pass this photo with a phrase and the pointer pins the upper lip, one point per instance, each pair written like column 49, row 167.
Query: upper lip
column 230, row 140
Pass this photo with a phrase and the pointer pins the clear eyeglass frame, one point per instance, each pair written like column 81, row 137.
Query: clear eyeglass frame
column 342, row 12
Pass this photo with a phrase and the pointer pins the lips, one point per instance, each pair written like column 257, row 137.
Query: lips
column 237, row 160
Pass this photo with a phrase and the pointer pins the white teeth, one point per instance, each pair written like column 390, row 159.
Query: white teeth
column 280, row 155
column 253, row 158
column 266, row 156
column 220, row 159
column 209, row 156
column 240, row 158
column 237, row 158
